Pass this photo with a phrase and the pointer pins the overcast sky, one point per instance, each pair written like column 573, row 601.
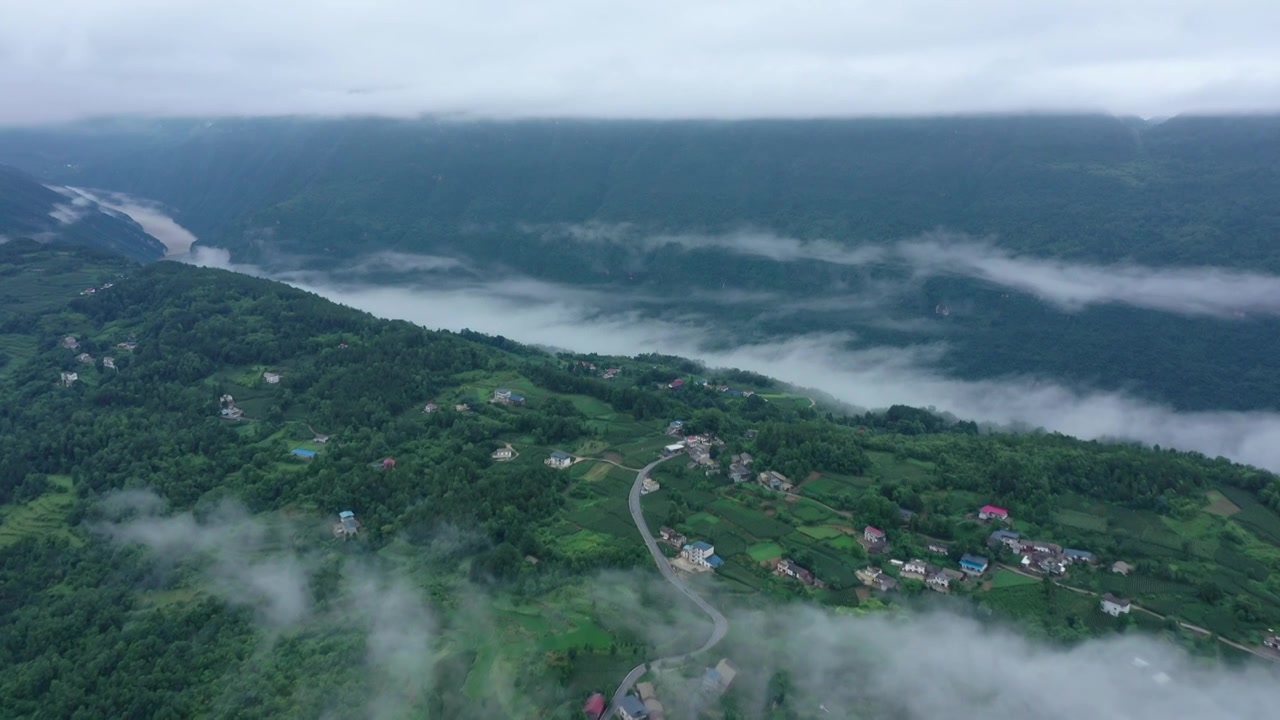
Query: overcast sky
column 63, row 59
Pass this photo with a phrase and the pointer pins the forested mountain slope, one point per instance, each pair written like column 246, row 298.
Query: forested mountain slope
column 28, row 209
column 1186, row 191
column 580, row 202
column 93, row 626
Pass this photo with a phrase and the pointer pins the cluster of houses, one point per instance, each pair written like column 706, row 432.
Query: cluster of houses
column 94, row 290
column 607, row 373
column 503, row 396
column 1039, row 555
column 740, row 467
column 697, row 447
column 227, row 408
column 68, row 378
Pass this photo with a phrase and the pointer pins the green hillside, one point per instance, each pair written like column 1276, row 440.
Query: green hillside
column 503, row 554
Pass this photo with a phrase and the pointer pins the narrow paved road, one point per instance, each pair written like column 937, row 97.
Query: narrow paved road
column 720, row 624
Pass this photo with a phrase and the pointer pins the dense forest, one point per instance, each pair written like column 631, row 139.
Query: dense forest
column 95, row 628
column 581, row 203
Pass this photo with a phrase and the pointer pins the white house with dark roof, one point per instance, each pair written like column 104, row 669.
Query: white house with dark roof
column 559, row 459
column 271, row 378
column 631, row 707
column 1115, row 606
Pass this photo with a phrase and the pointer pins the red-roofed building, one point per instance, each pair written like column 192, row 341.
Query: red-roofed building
column 677, row 384
column 986, row 512
column 873, row 534
column 388, row 463
column 594, row 707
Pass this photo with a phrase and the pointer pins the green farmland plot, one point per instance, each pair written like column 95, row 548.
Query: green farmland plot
column 821, row 532
column 751, row 521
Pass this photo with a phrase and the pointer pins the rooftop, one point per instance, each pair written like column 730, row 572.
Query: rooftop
column 558, row 455
column 302, row 452
column 631, row 705
column 703, row 546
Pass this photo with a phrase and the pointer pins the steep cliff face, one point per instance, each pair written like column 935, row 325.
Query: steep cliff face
column 30, row 209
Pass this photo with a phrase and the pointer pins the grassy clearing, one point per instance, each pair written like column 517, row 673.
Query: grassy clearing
column 1081, row 520
column 597, row 472
column 1219, row 504
column 821, row 532
column 761, row 552
column 752, row 521
column 44, row 516
column 1006, row 579
column 844, row 542
column 894, row 470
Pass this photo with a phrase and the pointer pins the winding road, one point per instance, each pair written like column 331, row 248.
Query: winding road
column 720, row 624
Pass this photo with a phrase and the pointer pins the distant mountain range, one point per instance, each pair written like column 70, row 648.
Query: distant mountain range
column 794, row 217
column 30, row 209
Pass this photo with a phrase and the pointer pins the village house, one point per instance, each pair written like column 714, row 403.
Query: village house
column 673, row 449
column 702, row 554
column 228, row 409
column 716, row 680
column 388, row 464
column 1044, row 562
column 322, row 439
column 1271, row 641
column 873, row 534
column 867, row 575
column 675, row 428
column 611, row 373
column 631, row 707
column 789, row 568
column 1007, row 538
column 502, row 454
column 69, row 342
column 109, row 363
column 271, row 378
column 885, row 583
column 347, row 526
column 88, row 291
column 462, row 407
column 649, row 486
column 672, row 538
column 918, row 570
column 1115, row 606
column 1075, row 556
column 559, row 459
column 775, row 480
column 503, row 396
column 1041, row 546
column 68, row 378
column 127, row 345
column 676, row 384
column 430, row 408
column 1121, row 567
column 973, row 564
column 939, row 548
column 85, row 358
column 651, row 703
column 992, row 512
column 939, row 582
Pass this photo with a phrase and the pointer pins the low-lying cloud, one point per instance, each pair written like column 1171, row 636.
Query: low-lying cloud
column 1211, row 291
column 252, row 562
column 933, row 662
column 153, row 217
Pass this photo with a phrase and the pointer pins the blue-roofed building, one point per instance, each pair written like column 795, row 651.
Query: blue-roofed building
column 303, row 453
column 631, row 707
column 347, row 525
column 701, row 553
column 1079, row 555
column 973, row 564
column 516, row 399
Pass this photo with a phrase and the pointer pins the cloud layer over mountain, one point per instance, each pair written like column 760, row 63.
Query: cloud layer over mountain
column 71, row 58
